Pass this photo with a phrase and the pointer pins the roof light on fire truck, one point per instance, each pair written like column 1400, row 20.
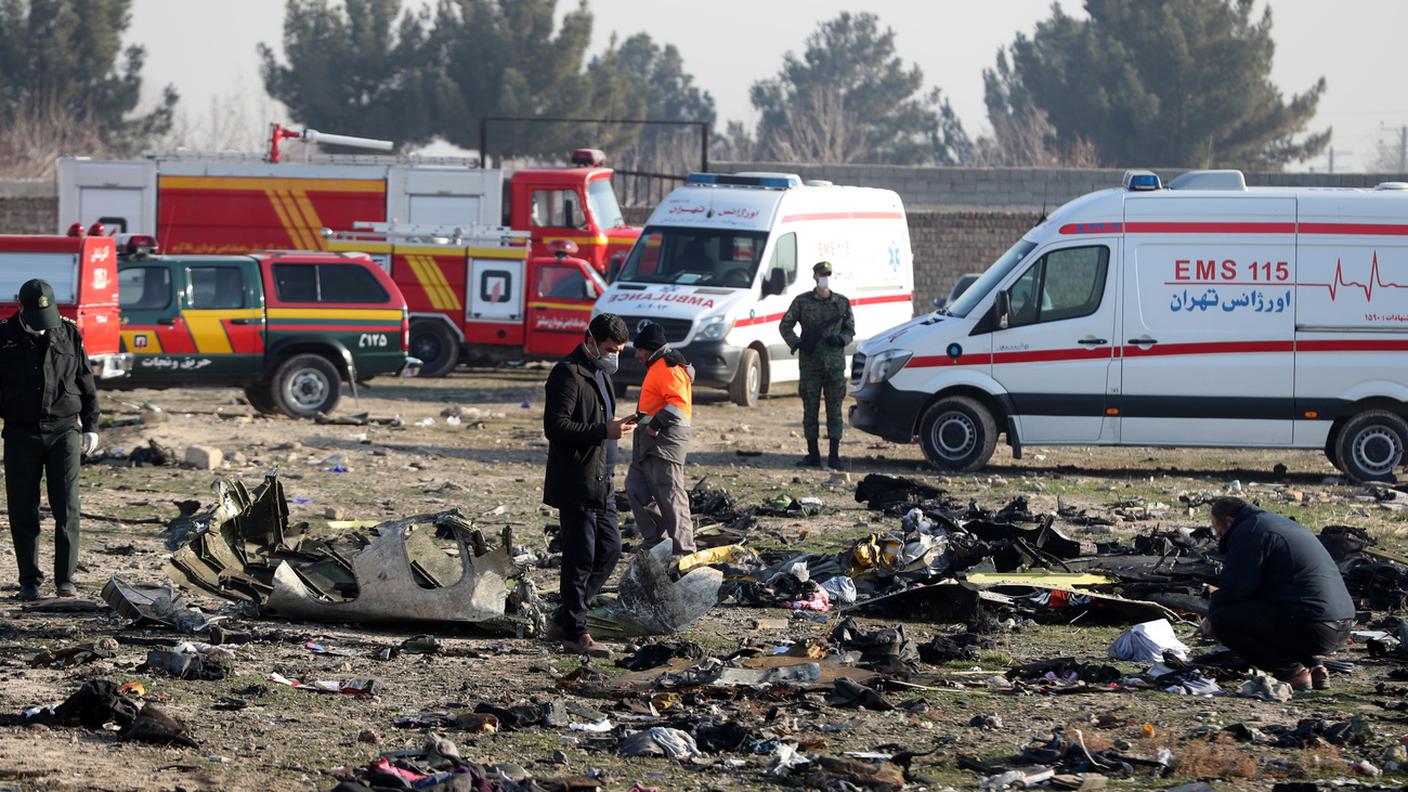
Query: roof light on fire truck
column 139, row 245
column 76, row 230
column 588, row 157
column 97, row 229
column 562, row 247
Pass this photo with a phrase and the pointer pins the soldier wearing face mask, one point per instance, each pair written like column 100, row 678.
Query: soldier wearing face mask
column 50, row 409
column 579, row 419
column 828, row 326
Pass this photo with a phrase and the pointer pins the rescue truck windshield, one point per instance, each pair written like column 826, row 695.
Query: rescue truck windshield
column 695, row 257
column 993, row 276
column 605, row 208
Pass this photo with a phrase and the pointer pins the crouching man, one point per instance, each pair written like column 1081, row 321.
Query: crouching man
column 1281, row 602
column 655, row 481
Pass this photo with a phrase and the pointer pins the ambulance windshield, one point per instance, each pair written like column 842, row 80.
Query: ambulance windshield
column 994, row 275
column 695, row 257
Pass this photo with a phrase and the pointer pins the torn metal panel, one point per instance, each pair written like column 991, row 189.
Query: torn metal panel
column 153, row 605
column 388, row 591
column 650, row 603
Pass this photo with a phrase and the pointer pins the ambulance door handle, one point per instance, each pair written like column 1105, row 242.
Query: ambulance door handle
column 1093, row 341
column 1145, row 341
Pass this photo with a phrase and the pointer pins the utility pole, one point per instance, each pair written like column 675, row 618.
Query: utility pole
column 1403, row 149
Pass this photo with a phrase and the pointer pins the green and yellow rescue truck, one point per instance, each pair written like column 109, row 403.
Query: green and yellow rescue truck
column 289, row 327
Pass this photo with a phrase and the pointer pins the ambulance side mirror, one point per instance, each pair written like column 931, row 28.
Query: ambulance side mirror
column 589, row 290
column 1001, row 306
column 776, row 282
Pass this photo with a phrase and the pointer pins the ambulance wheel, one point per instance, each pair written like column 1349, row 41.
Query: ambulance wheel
column 747, row 380
column 261, row 397
column 1370, row 446
column 957, row 433
column 1330, row 451
column 305, row 385
column 436, row 346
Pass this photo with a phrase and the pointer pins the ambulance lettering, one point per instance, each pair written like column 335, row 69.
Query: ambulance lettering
column 1216, row 271
column 658, row 297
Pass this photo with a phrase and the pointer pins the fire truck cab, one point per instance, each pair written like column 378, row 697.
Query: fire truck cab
column 82, row 267
column 479, row 295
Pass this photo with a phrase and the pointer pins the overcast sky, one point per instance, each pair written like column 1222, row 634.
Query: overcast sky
column 207, row 49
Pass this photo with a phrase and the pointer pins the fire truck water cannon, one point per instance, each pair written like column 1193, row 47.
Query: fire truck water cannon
column 279, row 133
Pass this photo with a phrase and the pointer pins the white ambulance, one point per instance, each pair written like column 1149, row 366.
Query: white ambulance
column 1201, row 314
column 722, row 258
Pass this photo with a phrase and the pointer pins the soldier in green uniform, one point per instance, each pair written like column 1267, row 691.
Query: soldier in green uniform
column 828, row 326
column 50, row 409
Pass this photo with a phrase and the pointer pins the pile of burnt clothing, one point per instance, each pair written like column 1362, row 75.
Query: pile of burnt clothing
column 438, row 767
column 957, row 647
column 1065, row 671
column 1318, row 733
column 100, row 702
column 653, row 654
column 887, row 650
column 896, row 495
column 1066, row 754
column 1375, row 579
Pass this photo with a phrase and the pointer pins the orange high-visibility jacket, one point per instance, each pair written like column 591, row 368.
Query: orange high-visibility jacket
column 667, row 398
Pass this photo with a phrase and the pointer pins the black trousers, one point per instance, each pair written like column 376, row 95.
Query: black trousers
column 32, row 453
column 591, row 546
column 1274, row 642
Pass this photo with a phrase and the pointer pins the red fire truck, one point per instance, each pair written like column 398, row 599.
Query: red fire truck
column 82, row 267
column 205, row 202
column 480, row 294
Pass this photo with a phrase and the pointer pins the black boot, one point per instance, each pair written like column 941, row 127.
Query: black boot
column 833, row 460
column 813, row 457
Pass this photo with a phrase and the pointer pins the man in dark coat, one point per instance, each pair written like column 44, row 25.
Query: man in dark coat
column 50, row 409
column 582, row 429
column 1281, row 602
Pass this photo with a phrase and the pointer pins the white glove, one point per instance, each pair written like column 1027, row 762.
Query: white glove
column 90, row 443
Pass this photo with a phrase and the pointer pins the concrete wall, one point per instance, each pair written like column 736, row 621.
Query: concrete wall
column 1009, row 187
column 28, row 207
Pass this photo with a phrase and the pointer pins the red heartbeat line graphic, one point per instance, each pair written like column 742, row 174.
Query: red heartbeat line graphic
column 1375, row 281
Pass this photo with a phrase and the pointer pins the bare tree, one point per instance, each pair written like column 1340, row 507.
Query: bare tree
column 32, row 140
column 1388, row 154
column 238, row 121
column 818, row 126
column 1027, row 139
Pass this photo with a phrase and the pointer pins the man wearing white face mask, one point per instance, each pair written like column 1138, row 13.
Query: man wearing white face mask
column 50, row 409
column 582, row 430
column 828, row 326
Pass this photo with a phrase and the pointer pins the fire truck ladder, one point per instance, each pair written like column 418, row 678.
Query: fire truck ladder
column 430, row 235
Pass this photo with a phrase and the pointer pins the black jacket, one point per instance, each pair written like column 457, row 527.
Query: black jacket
column 574, row 420
column 45, row 381
column 1273, row 559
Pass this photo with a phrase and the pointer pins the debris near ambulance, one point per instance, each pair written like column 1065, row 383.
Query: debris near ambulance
column 243, row 548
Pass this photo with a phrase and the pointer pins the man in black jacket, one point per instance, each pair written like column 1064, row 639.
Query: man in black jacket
column 50, row 409
column 582, row 429
column 1281, row 602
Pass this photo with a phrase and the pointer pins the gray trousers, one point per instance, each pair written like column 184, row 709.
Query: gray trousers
column 660, row 502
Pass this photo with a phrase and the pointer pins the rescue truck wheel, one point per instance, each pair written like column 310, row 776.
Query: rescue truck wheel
column 261, row 397
column 1370, row 446
column 747, row 380
column 305, row 385
column 958, row 433
column 436, row 346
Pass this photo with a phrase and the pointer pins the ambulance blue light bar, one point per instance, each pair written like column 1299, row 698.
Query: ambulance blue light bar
column 775, row 182
column 1141, row 181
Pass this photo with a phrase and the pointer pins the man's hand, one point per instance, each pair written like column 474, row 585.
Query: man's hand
column 652, row 431
column 89, row 443
column 617, row 428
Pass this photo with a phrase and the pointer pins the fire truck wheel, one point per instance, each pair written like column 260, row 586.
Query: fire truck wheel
column 1370, row 446
column 957, row 433
column 305, row 385
column 436, row 346
column 261, row 397
column 747, row 380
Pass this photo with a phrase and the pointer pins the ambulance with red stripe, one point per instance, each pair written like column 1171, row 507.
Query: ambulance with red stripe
column 1204, row 313
column 722, row 258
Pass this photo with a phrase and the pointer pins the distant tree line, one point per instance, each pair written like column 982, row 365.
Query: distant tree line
column 1178, row 83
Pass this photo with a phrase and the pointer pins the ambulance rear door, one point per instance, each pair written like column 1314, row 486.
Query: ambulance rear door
column 1208, row 336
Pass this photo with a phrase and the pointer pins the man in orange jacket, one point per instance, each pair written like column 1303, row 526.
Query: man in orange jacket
column 655, row 482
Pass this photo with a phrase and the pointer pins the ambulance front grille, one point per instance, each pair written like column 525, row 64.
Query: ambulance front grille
column 676, row 330
column 857, row 367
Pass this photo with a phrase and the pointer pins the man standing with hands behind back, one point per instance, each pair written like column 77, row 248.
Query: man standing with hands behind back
column 582, row 429
column 50, row 409
column 828, row 326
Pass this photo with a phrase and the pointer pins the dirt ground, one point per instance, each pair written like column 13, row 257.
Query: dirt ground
column 292, row 739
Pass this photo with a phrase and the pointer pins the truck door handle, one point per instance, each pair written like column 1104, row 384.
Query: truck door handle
column 1145, row 341
column 166, row 321
column 1093, row 341
column 242, row 321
